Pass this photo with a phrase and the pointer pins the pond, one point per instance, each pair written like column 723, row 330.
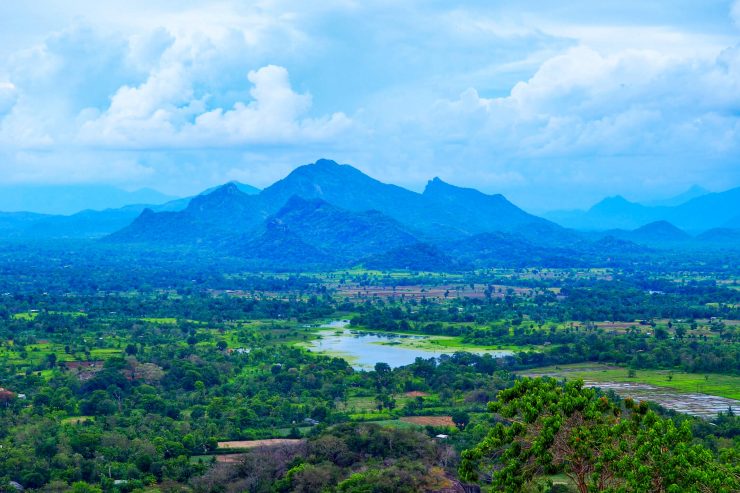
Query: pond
column 363, row 349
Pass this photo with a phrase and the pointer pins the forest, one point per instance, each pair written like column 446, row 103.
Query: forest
column 210, row 383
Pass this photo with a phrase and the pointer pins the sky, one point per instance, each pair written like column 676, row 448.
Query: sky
column 554, row 104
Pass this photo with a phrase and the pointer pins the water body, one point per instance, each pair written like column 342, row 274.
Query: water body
column 364, row 349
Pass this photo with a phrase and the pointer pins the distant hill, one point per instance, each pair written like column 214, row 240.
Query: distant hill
column 693, row 192
column 657, row 232
column 723, row 236
column 69, row 199
column 695, row 215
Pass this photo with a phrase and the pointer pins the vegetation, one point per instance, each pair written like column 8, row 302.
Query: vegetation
column 122, row 379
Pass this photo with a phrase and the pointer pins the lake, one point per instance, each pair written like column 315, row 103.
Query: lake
column 363, row 349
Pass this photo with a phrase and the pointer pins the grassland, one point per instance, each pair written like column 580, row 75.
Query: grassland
column 712, row 384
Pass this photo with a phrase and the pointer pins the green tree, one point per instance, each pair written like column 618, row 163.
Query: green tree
column 460, row 418
column 554, row 427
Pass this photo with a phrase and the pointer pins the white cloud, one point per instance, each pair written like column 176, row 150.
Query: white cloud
column 164, row 112
column 631, row 102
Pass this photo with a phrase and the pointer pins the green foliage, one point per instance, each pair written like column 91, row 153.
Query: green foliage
column 549, row 426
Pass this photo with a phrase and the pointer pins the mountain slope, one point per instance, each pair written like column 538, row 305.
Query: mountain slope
column 477, row 212
column 345, row 234
column 209, row 219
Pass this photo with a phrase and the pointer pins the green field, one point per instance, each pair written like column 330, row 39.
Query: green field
column 711, row 383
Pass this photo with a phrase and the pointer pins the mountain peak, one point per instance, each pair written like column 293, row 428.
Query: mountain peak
column 437, row 186
column 229, row 188
column 326, row 163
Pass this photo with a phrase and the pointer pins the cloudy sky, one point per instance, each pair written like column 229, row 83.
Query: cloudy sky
column 554, row 104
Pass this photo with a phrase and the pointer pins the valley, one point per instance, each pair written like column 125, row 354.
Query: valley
column 330, row 326
column 219, row 366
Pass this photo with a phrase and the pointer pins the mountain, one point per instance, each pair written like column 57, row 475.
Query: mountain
column 331, row 215
column 498, row 249
column 242, row 187
column 314, row 232
column 341, row 233
column 348, row 188
column 610, row 213
column 721, row 236
column 442, row 211
column 657, row 232
column 705, row 212
column 211, row 218
column 276, row 247
column 12, row 224
column 698, row 214
column 474, row 212
column 69, row 199
column 417, row 257
column 693, row 192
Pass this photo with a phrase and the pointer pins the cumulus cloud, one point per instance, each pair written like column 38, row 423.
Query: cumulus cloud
column 164, row 112
column 631, row 102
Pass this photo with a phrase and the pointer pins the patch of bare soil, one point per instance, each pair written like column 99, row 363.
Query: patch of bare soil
column 429, row 420
column 271, row 442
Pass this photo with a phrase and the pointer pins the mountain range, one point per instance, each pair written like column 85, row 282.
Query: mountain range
column 332, row 215
column 89, row 222
column 442, row 211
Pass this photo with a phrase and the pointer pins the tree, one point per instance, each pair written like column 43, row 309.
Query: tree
column 460, row 418
column 554, row 427
column 680, row 331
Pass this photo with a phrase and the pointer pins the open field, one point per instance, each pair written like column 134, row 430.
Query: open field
column 692, row 393
column 247, row 444
column 429, row 420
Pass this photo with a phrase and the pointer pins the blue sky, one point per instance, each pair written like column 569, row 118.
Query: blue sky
column 554, row 104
